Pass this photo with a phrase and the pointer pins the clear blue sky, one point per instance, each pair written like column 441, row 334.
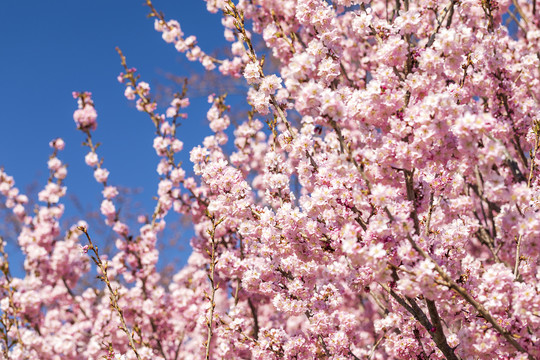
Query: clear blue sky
column 50, row 48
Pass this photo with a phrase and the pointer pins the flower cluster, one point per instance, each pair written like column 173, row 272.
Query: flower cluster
column 389, row 210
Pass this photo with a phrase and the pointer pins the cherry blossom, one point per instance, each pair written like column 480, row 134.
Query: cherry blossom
column 379, row 200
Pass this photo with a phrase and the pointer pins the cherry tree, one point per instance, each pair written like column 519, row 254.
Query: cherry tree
column 380, row 200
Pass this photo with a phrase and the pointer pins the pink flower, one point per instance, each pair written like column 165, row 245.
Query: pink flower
column 181, row 46
column 110, row 192
column 208, row 63
column 120, row 228
column 328, row 69
column 91, row 159
column 171, row 112
column 54, row 164
column 270, row 84
column 101, row 175
column 164, row 187
column 163, row 167
column 107, row 208
column 83, row 249
column 171, row 31
column 19, row 210
column 61, row 173
column 52, row 193
column 85, row 118
column 57, row 144
column 198, row 154
column 252, row 73
column 144, row 88
column 177, row 175
column 260, row 102
column 177, row 145
column 129, row 93
column 161, row 144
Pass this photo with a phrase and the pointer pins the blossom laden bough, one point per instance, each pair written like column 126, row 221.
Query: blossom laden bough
column 389, row 211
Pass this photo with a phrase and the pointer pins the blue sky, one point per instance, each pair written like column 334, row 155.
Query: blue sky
column 51, row 48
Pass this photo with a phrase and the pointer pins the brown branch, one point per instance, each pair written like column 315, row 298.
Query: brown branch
column 70, row 292
column 450, row 283
column 255, row 319
column 438, row 335
column 211, row 276
column 377, row 343
column 430, row 212
column 448, row 10
column 532, row 154
column 113, row 296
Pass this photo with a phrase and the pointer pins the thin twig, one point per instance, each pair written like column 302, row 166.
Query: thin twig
column 450, row 283
column 211, row 276
column 113, row 296
column 377, row 343
column 532, row 154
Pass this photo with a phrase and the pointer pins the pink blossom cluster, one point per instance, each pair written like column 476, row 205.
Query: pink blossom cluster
column 85, row 117
column 381, row 199
column 172, row 33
